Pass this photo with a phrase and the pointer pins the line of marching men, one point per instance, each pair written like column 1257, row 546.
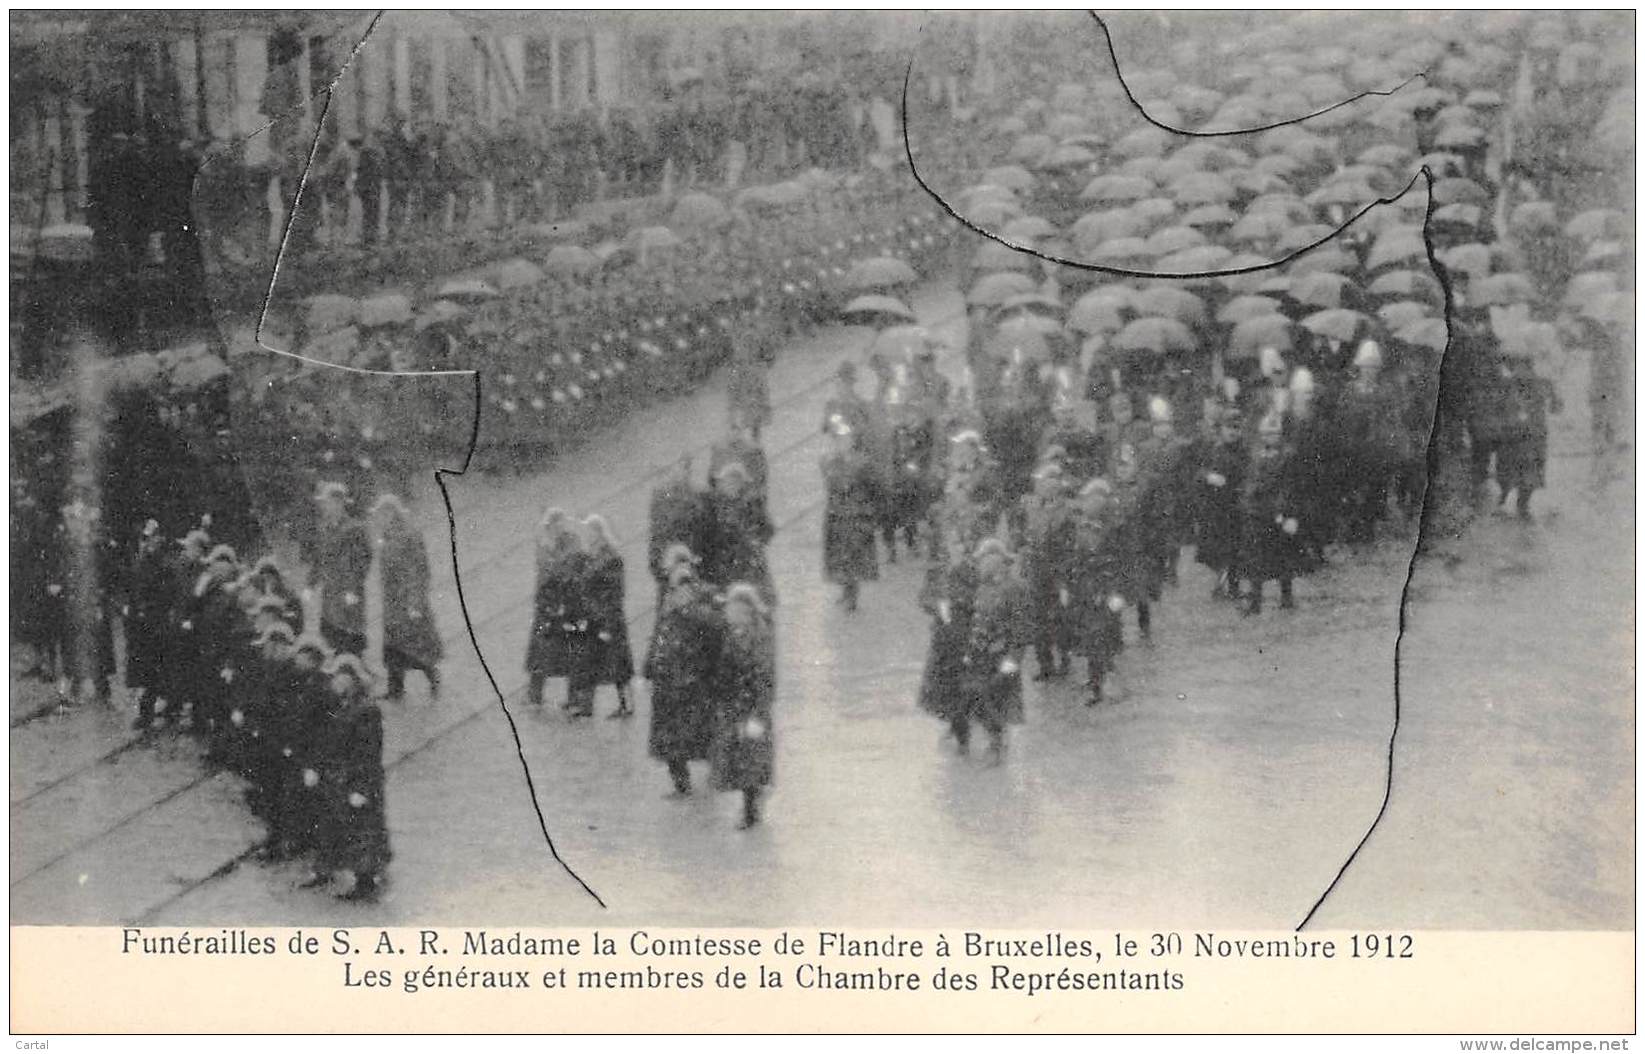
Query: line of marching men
column 711, row 660
column 1049, row 551
column 218, row 649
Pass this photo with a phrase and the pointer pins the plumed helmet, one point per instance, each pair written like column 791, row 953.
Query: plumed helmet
column 744, row 593
column 1302, row 380
column 991, row 547
column 1368, row 355
column 349, row 664
column 676, row 554
column 277, row 632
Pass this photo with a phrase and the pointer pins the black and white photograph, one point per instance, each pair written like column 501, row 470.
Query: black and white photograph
column 692, row 469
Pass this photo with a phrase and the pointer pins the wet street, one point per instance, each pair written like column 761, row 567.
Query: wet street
column 1236, row 764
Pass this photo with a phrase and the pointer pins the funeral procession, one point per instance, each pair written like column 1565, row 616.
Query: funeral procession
column 719, row 469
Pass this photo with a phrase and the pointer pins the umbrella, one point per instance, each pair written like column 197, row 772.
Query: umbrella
column 1455, row 189
column 1209, row 216
column 1258, row 227
column 571, row 260
column 1028, row 228
column 1027, row 301
column 1387, row 155
column 1320, row 289
column 1338, row 323
column 1069, row 155
column 1611, row 308
column 1018, row 342
column 1093, row 314
column 1121, row 251
column 991, row 213
column 1460, row 214
column 1473, row 258
column 1344, row 192
column 329, row 311
column 1169, row 301
column 1174, row 239
column 439, row 313
column 1442, row 163
column 1118, row 188
column 1202, row 188
column 872, row 309
column 1154, row 210
column 1243, row 307
column 1066, row 126
column 901, row 342
column 1097, row 227
column 1193, row 260
column 1399, row 245
column 1281, row 204
column 1458, row 135
column 648, row 238
column 1430, row 333
column 1328, row 257
column 880, row 272
column 1281, row 166
column 1602, row 253
column 1301, row 237
column 1504, row 289
column 1595, row 224
column 1402, row 313
column 1211, row 156
column 1012, row 177
column 1155, row 335
column 514, row 274
column 1588, row 285
column 467, row 289
column 699, row 211
column 1032, row 148
column 1534, row 216
column 995, row 289
column 1263, row 331
column 992, row 256
column 384, row 309
column 1144, row 142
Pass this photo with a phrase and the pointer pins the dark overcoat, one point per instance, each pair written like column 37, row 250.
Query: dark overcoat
column 408, row 621
column 612, row 658
column 850, row 514
column 685, row 645
column 743, row 744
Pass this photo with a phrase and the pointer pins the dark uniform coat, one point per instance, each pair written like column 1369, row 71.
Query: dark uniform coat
column 354, row 827
column 341, row 561
column 745, row 685
column 1220, row 479
column 680, row 664
column 1266, row 550
column 612, row 659
column 558, row 601
column 849, row 518
column 738, row 531
column 943, row 687
column 1000, row 629
column 408, row 623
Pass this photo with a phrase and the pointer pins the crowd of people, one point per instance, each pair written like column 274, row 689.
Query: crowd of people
column 1275, row 417
column 272, row 680
column 424, row 176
